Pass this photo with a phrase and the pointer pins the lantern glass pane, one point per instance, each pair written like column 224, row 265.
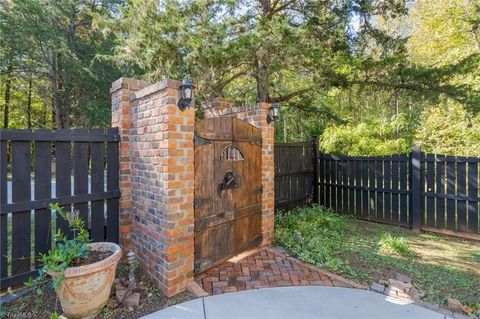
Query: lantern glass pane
column 187, row 93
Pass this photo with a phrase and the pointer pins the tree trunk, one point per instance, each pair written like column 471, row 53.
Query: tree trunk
column 6, row 109
column 29, row 105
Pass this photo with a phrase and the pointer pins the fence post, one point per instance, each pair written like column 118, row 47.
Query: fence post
column 316, row 198
column 415, row 189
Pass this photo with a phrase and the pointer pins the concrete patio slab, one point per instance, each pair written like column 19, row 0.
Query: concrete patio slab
column 192, row 309
column 297, row 302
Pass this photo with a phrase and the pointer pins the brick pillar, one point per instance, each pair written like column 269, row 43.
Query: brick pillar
column 120, row 92
column 162, row 180
column 255, row 114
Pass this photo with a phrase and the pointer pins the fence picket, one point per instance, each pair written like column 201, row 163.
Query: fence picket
column 473, row 187
column 4, row 217
column 387, row 186
column 451, row 177
column 43, row 190
column 21, row 221
column 462, row 191
column 440, row 189
column 379, row 185
column 430, row 209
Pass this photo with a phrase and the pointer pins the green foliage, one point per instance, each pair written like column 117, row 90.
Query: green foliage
column 65, row 251
column 54, row 46
column 449, row 130
column 371, row 137
column 313, row 234
column 393, row 244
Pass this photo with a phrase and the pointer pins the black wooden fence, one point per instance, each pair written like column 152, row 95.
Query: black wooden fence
column 294, row 174
column 84, row 166
column 422, row 191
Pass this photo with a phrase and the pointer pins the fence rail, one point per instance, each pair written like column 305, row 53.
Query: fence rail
column 77, row 169
column 418, row 190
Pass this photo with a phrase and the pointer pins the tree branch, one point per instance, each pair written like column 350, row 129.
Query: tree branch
column 284, row 98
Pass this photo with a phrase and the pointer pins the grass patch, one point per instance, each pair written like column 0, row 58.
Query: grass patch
column 442, row 266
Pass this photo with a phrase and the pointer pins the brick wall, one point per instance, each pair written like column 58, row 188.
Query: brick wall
column 256, row 115
column 120, row 91
column 157, row 169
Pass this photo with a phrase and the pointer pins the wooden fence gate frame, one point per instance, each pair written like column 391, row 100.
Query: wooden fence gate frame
column 228, row 189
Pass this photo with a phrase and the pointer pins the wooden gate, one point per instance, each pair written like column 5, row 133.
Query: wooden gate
column 227, row 189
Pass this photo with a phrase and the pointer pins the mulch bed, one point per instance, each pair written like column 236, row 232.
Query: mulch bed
column 41, row 302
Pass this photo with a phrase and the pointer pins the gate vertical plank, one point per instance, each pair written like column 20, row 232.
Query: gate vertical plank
column 63, row 179
column 4, row 217
column 43, row 190
column 97, row 185
column 395, row 189
column 430, row 209
column 380, row 188
column 387, row 173
column 113, row 206
column 80, row 174
column 440, row 189
column 473, row 184
column 21, row 221
column 462, row 192
column 404, row 186
column 451, row 177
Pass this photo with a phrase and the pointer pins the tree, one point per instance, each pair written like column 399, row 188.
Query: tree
column 55, row 42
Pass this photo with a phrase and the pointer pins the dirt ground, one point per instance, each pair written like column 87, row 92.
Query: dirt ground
column 40, row 303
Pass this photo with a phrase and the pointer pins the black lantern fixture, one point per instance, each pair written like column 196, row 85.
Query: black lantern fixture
column 273, row 113
column 187, row 95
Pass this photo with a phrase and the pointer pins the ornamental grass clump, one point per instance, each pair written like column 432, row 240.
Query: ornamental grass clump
column 395, row 245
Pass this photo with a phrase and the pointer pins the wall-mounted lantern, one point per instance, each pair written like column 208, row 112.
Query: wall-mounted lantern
column 186, row 90
column 273, row 113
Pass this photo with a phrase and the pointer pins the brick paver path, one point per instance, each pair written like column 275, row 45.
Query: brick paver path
column 266, row 268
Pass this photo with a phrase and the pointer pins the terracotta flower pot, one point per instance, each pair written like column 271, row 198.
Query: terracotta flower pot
column 85, row 289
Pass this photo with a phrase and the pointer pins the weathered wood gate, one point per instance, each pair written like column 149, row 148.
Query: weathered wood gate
column 228, row 189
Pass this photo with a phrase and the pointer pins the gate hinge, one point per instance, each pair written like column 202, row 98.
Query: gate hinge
column 201, row 141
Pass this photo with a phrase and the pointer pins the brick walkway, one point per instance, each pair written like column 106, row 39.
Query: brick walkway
column 266, row 268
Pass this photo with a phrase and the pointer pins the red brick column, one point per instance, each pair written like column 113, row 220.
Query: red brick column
column 162, row 180
column 255, row 114
column 120, row 92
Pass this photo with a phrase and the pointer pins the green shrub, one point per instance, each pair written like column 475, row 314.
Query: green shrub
column 313, row 234
column 396, row 245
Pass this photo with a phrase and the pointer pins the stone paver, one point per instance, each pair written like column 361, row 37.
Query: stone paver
column 265, row 269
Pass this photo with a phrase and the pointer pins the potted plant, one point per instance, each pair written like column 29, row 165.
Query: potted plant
column 82, row 272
